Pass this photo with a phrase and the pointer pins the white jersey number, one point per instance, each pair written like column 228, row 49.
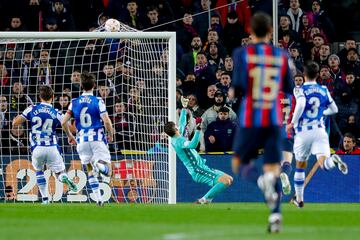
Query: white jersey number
column 85, row 118
column 314, row 111
column 46, row 127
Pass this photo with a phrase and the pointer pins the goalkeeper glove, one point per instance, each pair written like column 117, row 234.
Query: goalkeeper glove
column 198, row 121
column 184, row 102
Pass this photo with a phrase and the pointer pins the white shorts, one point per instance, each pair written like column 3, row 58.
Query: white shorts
column 91, row 152
column 314, row 141
column 48, row 155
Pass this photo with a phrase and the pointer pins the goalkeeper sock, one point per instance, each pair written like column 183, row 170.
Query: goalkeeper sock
column 41, row 182
column 215, row 190
column 299, row 180
column 329, row 164
column 286, row 168
column 278, row 189
column 249, row 172
column 103, row 168
column 94, row 185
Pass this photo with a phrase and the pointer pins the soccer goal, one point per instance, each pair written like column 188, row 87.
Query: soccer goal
column 135, row 74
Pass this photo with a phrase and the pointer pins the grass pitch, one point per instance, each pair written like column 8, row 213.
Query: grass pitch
column 175, row 222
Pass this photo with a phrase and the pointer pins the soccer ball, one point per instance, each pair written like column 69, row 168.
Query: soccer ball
column 112, row 25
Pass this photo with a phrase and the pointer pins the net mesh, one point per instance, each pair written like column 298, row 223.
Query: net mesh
column 132, row 78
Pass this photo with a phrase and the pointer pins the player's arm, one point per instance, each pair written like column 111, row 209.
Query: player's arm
column 299, row 108
column 21, row 118
column 332, row 108
column 182, row 119
column 239, row 76
column 108, row 126
column 65, row 125
column 107, row 121
column 288, row 85
column 196, row 138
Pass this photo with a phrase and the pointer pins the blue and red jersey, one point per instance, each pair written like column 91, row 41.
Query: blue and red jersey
column 287, row 104
column 260, row 72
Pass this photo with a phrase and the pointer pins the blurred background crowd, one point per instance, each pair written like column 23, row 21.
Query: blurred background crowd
column 207, row 32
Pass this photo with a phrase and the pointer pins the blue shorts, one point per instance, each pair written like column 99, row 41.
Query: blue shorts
column 248, row 141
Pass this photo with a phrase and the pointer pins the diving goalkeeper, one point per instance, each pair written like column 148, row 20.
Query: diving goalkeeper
column 185, row 149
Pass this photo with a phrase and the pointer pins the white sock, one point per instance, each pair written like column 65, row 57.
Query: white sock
column 103, row 168
column 299, row 180
column 41, row 182
column 94, row 185
column 329, row 164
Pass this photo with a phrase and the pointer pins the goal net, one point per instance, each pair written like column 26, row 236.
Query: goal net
column 135, row 73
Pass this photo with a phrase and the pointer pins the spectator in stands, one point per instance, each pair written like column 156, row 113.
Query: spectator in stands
column 324, row 54
column 195, row 109
column 6, row 118
column 105, row 94
column 134, row 17
column 215, row 24
column 18, row 141
column 189, row 85
column 107, row 77
column 185, row 32
column 134, row 102
column 352, row 63
column 51, row 24
column 63, row 103
column 19, row 101
column 165, row 8
column 295, row 54
column 229, row 64
column 318, row 40
column 295, row 13
column 16, row 24
column 214, row 59
column 285, row 27
column 213, row 37
column 326, row 79
column 220, row 133
column 211, row 113
column 335, row 71
column 27, row 67
column 233, row 32
column 352, row 126
column 299, row 79
column 224, row 83
column 154, row 20
column 124, row 122
column 305, row 27
column 205, row 76
column 321, row 20
column 349, row 43
column 33, row 15
column 75, row 79
column 286, row 40
column 4, row 79
column 241, row 8
column 348, row 145
column 201, row 21
column 188, row 60
column 64, row 19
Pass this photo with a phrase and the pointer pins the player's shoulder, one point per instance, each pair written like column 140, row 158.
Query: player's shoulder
column 298, row 91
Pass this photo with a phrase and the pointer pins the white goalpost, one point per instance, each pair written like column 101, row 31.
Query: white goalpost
column 136, row 77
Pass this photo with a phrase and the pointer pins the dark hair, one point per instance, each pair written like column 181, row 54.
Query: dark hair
column 350, row 135
column 87, row 81
column 311, row 69
column 261, row 24
column 224, row 110
column 170, row 129
column 46, row 92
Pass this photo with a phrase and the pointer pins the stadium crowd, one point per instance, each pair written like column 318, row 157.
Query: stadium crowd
column 204, row 61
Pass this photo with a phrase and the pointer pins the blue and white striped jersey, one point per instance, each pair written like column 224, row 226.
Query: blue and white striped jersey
column 87, row 110
column 44, row 119
column 317, row 98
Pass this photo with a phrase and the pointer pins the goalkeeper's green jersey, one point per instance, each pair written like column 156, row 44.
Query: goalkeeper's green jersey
column 186, row 151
